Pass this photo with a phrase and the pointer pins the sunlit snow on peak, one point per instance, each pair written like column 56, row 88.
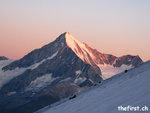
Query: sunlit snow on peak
column 79, row 48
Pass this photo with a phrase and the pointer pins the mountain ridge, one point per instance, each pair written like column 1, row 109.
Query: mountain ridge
column 3, row 58
column 87, row 54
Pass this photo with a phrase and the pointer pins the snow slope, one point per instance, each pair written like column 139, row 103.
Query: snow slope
column 109, row 71
column 131, row 88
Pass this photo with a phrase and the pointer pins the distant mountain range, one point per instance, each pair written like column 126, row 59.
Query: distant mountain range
column 3, row 58
column 55, row 71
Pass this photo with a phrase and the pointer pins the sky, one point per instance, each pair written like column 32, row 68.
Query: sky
column 117, row 27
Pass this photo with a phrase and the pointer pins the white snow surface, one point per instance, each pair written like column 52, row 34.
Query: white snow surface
column 78, row 72
column 40, row 82
column 6, row 76
column 72, row 43
column 79, row 80
column 34, row 66
column 109, row 71
column 65, row 80
column 131, row 88
column 11, row 93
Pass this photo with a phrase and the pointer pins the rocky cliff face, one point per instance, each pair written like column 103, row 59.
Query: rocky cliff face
column 128, row 60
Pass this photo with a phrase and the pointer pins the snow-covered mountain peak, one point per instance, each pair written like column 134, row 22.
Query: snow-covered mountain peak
column 81, row 49
column 107, row 63
column 70, row 39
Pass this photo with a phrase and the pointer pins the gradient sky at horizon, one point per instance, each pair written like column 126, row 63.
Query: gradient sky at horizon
column 117, row 27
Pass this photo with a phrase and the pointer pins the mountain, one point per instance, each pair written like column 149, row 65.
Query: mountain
column 43, row 77
column 105, row 64
column 108, row 64
column 3, row 58
column 55, row 71
column 128, row 90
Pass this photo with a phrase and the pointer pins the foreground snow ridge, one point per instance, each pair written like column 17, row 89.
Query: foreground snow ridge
column 131, row 88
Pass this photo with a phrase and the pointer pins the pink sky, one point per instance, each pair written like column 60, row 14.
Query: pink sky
column 112, row 27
